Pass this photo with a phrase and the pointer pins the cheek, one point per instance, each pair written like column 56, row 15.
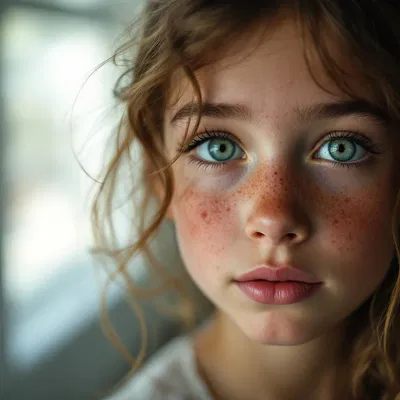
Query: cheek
column 205, row 223
column 359, row 227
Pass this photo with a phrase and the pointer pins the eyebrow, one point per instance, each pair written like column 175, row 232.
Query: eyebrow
column 360, row 108
column 213, row 110
column 319, row 111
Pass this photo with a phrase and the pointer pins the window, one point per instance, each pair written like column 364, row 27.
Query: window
column 49, row 286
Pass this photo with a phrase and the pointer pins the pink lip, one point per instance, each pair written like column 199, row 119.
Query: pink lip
column 282, row 274
column 279, row 286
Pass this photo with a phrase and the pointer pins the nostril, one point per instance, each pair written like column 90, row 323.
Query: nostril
column 258, row 235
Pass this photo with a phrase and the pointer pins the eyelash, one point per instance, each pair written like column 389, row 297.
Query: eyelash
column 357, row 138
column 203, row 137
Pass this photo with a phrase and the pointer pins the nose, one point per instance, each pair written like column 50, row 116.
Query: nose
column 276, row 214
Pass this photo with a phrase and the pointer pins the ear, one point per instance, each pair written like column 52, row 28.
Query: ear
column 157, row 187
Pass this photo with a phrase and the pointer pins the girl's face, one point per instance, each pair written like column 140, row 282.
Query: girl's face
column 281, row 173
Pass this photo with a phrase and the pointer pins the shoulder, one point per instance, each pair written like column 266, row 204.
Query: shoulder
column 170, row 374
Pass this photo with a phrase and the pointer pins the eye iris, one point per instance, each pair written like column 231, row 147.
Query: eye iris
column 221, row 149
column 339, row 146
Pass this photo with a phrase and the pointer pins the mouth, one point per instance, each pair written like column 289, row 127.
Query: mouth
column 277, row 286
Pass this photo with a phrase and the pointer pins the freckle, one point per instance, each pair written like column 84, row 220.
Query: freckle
column 350, row 236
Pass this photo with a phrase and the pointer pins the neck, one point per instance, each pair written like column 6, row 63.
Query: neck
column 235, row 367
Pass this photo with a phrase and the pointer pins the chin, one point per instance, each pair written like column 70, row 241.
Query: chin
column 278, row 329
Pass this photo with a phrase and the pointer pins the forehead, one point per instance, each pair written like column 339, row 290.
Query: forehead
column 267, row 71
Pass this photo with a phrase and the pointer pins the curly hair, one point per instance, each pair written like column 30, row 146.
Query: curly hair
column 185, row 35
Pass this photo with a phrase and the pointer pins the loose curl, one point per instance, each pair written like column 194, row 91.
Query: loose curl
column 182, row 36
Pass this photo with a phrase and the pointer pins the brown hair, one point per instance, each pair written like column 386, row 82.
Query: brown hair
column 185, row 35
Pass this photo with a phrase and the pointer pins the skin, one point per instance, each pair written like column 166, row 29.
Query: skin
column 279, row 205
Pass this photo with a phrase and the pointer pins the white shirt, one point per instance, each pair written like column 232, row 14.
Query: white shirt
column 170, row 374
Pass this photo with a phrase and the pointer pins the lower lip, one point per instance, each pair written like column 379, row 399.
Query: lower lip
column 278, row 293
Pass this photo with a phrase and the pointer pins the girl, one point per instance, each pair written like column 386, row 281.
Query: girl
column 270, row 134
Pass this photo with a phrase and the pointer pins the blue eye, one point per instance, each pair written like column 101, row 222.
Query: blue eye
column 219, row 150
column 342, row 150
column 342, row 147
column 215, row 148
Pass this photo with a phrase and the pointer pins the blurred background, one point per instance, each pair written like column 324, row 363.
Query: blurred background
column 51, row 342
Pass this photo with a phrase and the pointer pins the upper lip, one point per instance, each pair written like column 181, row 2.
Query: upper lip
column 285, row 273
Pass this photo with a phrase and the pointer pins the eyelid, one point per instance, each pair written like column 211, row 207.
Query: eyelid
column 359, row 138
column 202, row 137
